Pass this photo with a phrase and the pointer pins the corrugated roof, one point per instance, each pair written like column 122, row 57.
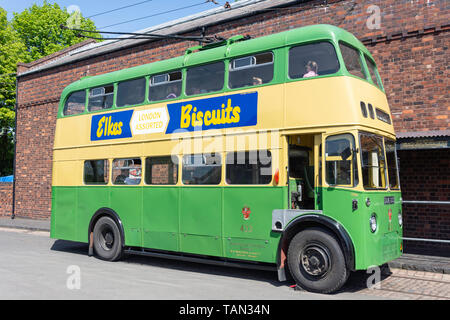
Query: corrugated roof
column 423, row 134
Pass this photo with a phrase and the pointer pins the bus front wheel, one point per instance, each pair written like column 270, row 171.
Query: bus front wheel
column 316, row 261
column 107, row 239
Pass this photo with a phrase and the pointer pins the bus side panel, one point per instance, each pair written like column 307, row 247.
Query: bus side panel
column 201, row 220
column 249, row 237
column 64, row 216
column 91, row 198
column 160, row 218
column 127, row 203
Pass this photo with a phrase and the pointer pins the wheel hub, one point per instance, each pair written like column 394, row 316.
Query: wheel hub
column 315, row 260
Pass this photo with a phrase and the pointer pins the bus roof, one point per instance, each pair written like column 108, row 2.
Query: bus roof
column 227, row 50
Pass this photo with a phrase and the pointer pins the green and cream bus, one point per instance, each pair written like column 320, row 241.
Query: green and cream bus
column 276, row 152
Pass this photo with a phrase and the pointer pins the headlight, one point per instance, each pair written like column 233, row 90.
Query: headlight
column 400, row 218
column 373, row 223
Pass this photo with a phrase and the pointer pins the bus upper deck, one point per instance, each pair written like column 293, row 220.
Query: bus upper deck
column 235, row 83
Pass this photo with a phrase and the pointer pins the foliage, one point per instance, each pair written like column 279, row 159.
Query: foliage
column 30, row 35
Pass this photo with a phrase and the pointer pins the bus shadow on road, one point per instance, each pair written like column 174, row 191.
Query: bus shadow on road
column 70, row 247
column 357, row 281
column 184, row 266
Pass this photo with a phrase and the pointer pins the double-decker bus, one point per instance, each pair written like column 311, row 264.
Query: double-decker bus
column 276, row 152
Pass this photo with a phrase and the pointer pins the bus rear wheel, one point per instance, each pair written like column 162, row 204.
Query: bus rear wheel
column 107, row 239
column 316, row 261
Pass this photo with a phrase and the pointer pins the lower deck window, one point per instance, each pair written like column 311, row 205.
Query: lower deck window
column 340, row 162
column 372, row 160
column 96, row 172
column 161, row 170
column 126, row 171
column 202, row 169
column 250, row 167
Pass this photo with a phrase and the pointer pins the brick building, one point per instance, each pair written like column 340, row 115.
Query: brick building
column 409, row 40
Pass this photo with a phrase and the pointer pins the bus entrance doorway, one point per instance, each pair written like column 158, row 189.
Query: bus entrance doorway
column 301, row 171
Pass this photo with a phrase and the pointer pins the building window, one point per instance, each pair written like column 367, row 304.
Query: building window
column 352, row 61
column 249, row 167
column 131, row 92
column 202, row 169
column 311, row 60
column 96, row 172
column 251, row 70
column 126, row 171
column 101, row 98
column 205, row 78
column 75, row 103
column 161, row 170
column 165, row 86
column 340, row 160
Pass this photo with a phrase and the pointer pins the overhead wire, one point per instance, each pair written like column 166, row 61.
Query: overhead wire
column 117, row 9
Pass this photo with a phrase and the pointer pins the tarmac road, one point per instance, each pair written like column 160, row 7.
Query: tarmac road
column 33, row 266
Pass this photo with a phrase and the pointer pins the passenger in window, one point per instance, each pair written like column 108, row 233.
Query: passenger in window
column 120, row 179
column 172, row 92
column 311, row 69
column 257, row 81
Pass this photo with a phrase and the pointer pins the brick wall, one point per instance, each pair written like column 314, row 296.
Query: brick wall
column 415, row 72
column 425, row 176
column 6, row 189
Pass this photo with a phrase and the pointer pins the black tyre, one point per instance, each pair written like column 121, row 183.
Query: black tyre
column 316, row 261
column 107, row 239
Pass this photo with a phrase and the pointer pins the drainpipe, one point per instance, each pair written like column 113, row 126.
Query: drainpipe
column 13, row 215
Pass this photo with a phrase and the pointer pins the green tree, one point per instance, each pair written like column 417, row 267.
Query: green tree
column 12, row 50
column 39, row 29
column 30, row 35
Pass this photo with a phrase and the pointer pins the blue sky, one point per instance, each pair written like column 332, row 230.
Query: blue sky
column 92, row 7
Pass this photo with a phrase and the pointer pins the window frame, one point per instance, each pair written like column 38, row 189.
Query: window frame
column 102, row 86
column 108, row 172
column 354, row 168
column 361, row 133
column 397, row 172
column 379, row 83
column 149, row 84
column 145, row 99
column 113, row 168
column 219, row 154
column 186, row 70
column 147, row 170
column 248, row 151
column 68, row 97
column 361, row 61
column 287, row 64
column 230, row 69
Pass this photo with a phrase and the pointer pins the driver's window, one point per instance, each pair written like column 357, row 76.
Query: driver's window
column 340, row 162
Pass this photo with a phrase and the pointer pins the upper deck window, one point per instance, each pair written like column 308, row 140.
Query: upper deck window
column 101, row 98
column 165, row 86
column 373, row 72
column 75, row 103
column 251, row 70
column 311, row 60
column 352, row 60
column 205, row 78
column 131, row 92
